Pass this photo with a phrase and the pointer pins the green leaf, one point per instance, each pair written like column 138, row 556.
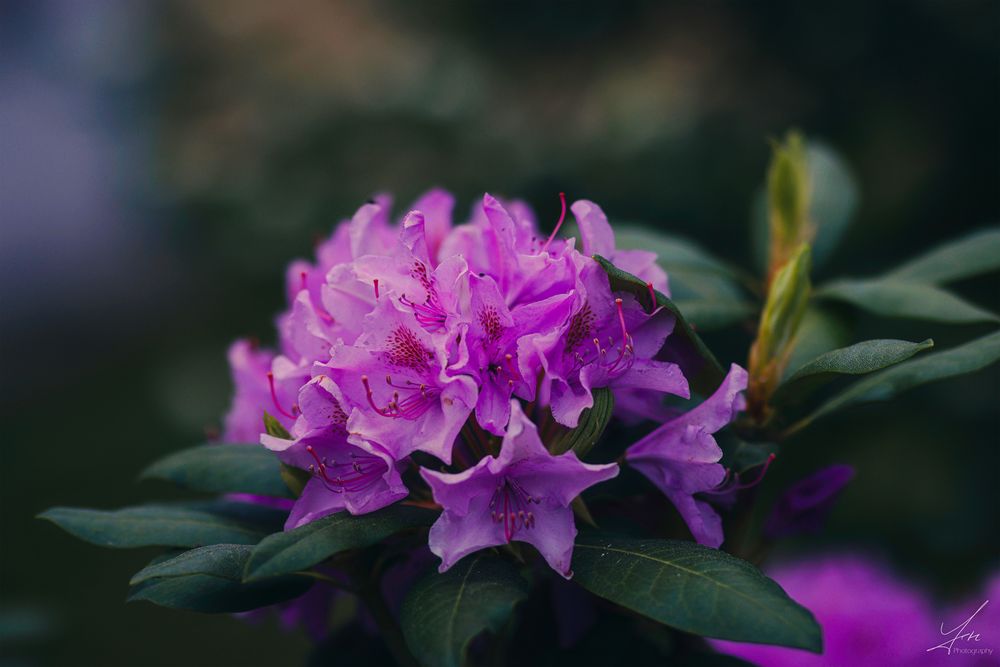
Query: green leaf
column 295, row 479
column 274, row 428
column 970, row 357
column 223, row 469
column 858, row 359
column 590, row 427
column 740, row 456
column 693, row 588
column 221, row 560
column 971, row 255
column 891, row 298
column 820, row 331
column 173, row 525
column 704, row 288
column 316, row 541
column 700, row 366
column 444, row 612
column 208, row 580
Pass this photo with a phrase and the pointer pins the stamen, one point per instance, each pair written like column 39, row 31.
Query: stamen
column 731, row 482
column 562, row 216
column 419, row 399
column 355, row 475
column 375, row 282
column 274, row 398
column 516, row 501
column 652, row 294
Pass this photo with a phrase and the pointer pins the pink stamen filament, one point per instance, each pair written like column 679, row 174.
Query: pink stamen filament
column 274, row 398
column 320, row 311
column 562, row 216
column 430, row 314
column 516, row 502
column 360, row 473
column 731, row 482
column 412, row 406
column 652, row 294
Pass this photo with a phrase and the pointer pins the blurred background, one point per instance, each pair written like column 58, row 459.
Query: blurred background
column 160, row 163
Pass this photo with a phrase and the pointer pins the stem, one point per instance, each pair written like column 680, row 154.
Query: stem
column 387, row 625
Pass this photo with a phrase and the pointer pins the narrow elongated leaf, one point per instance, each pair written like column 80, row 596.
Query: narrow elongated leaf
column 209, row 580
column 220, row 560
column 820, row 331
column 858, row 359
column 833, row 201
column 881, row 386
column 314, row 542
column 971, row 255
column 444, row 612
column 589, row 429
column 693, row 588
column 892, row 298
column 223, row 469
column 673, row 253
column 700, row 366
column 704, row 288
column 715, row 314
column 173, row 525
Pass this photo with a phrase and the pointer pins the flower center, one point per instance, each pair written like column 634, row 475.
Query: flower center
column 430, row 314
column 616, row 357
column 409, row 400
column 356, row 473
column 510, row 505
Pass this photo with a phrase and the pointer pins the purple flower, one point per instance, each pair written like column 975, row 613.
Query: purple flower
column 682, row 458
column 524, row 495
column 868, row 616
column 348, row 472
column 258, row 390
column 805, row 505
column 396, row 381
column 608, row 341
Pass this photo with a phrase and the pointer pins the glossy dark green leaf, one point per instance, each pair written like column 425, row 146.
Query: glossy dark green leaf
column 704, row 288
column 223, row 469
column 221, row 560
column 891, row 298
column 314, row 542
column 971, row 255
column 858, row 359
column 589, row 429
column 175, row 525
column 693, row 588
column 444, row 612
column 968, row 358
column 700, row 366
column 208, row 580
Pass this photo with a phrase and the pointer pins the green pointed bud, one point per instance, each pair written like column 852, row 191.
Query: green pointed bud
column 786, row 303
column 788, row 193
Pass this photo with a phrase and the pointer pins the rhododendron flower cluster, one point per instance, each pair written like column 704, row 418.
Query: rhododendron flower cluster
column 449, row 348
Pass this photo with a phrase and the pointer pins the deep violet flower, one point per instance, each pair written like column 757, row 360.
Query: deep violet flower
column 803, row 508
column 682, row 458
column 523, row 495
column 868, row 615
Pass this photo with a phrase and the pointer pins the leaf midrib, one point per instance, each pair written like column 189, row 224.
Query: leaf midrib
column 458, row 600
column 697, row 574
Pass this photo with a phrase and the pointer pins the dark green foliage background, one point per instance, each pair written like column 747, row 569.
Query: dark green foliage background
column 259, row 131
